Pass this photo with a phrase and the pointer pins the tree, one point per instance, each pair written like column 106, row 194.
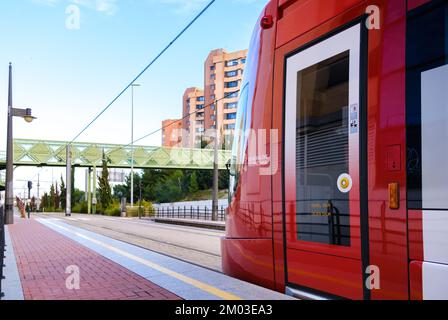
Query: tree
column 150, row 178
column 104, row 190
column 78, row 196
column 120, row 191
column 52, row 198
column 63, row 194
column 205, row 179
column 170, row 190
column 193, row 186
column 45, row 202
column 57, row 197
column 33, row 204
column 223, row 180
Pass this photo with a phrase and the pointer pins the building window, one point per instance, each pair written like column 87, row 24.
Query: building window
column 212, row 97
column 231, row 84
column 213, row 117
column 212, row 68
column 200, row 99
column 243, row 60
column 232, row 105
column 231, row 116
column 212, row 107
column 230, row 74
column 213, row 76
column 212, row 87
column 233, row 94
column 231, row 63
column 230, row 126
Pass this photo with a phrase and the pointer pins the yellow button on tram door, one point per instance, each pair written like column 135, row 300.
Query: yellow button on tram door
column 344, row 183
column 394, row 196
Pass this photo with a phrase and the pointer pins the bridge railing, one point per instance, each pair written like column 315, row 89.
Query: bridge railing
column 191, row 213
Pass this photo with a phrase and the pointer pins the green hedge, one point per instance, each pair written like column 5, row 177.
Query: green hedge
column 147, row 210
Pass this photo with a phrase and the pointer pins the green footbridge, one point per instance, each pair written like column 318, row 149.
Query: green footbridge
column 41, row 153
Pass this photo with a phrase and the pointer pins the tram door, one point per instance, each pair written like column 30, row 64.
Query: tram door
column 323, row 165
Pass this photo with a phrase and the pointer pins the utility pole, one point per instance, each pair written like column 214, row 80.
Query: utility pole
column 94, row 199
column 38, row 185
column 68, row 183
column 38, row 200
column 215, row 169
column 132, row 142
column 9, row 181
column 9, row 185
column 140, row 201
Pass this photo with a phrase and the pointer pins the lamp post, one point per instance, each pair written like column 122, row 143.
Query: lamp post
column 26, row 114
column 132, row 143
column 140, row 200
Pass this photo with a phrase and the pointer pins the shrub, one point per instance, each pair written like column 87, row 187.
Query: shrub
column 80, row 207
column 113, row 211
column 147, row 210
column 132, row 212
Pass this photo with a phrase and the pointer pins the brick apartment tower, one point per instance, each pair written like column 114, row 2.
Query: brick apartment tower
column 172, row 133
column 223, row 74
column 223, row 77
column 193, row 117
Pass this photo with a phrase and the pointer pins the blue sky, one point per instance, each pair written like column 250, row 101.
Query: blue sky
column 68, row 76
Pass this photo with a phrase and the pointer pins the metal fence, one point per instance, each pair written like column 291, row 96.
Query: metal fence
column 2, row 247
column 192, row 213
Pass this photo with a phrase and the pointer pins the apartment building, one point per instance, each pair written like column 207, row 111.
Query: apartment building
column 193, row 117
column 203, row 109
column 172, row 133
column 223, row 77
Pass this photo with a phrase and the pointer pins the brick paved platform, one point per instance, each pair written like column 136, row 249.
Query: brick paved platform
column 42, row 258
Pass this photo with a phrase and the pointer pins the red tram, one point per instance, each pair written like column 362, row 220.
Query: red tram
column 351, row 199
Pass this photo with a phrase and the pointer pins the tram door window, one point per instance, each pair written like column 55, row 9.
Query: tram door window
column 322, row 151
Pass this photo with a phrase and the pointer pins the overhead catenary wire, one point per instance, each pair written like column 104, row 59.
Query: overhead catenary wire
column 173, row 123
column 144, row 70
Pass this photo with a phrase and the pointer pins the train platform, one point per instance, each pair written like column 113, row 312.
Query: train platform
column 48, row 259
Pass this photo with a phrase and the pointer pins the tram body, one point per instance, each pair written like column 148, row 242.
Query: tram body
column 351, row 197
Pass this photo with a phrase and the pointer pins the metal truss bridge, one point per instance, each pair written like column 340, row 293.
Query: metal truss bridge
column 40, row 153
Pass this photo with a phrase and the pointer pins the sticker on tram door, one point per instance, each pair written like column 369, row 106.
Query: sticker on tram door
column 345, row 183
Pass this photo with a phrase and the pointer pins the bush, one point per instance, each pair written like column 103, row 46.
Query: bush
column 113, row 211
column 147, row 210
column 132, row 212
column 80, row 208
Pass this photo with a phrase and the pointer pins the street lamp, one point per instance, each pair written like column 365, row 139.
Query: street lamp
column 132, row 143
column 27, row 115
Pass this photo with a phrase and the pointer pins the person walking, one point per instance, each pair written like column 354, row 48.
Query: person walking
column 28, row 210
